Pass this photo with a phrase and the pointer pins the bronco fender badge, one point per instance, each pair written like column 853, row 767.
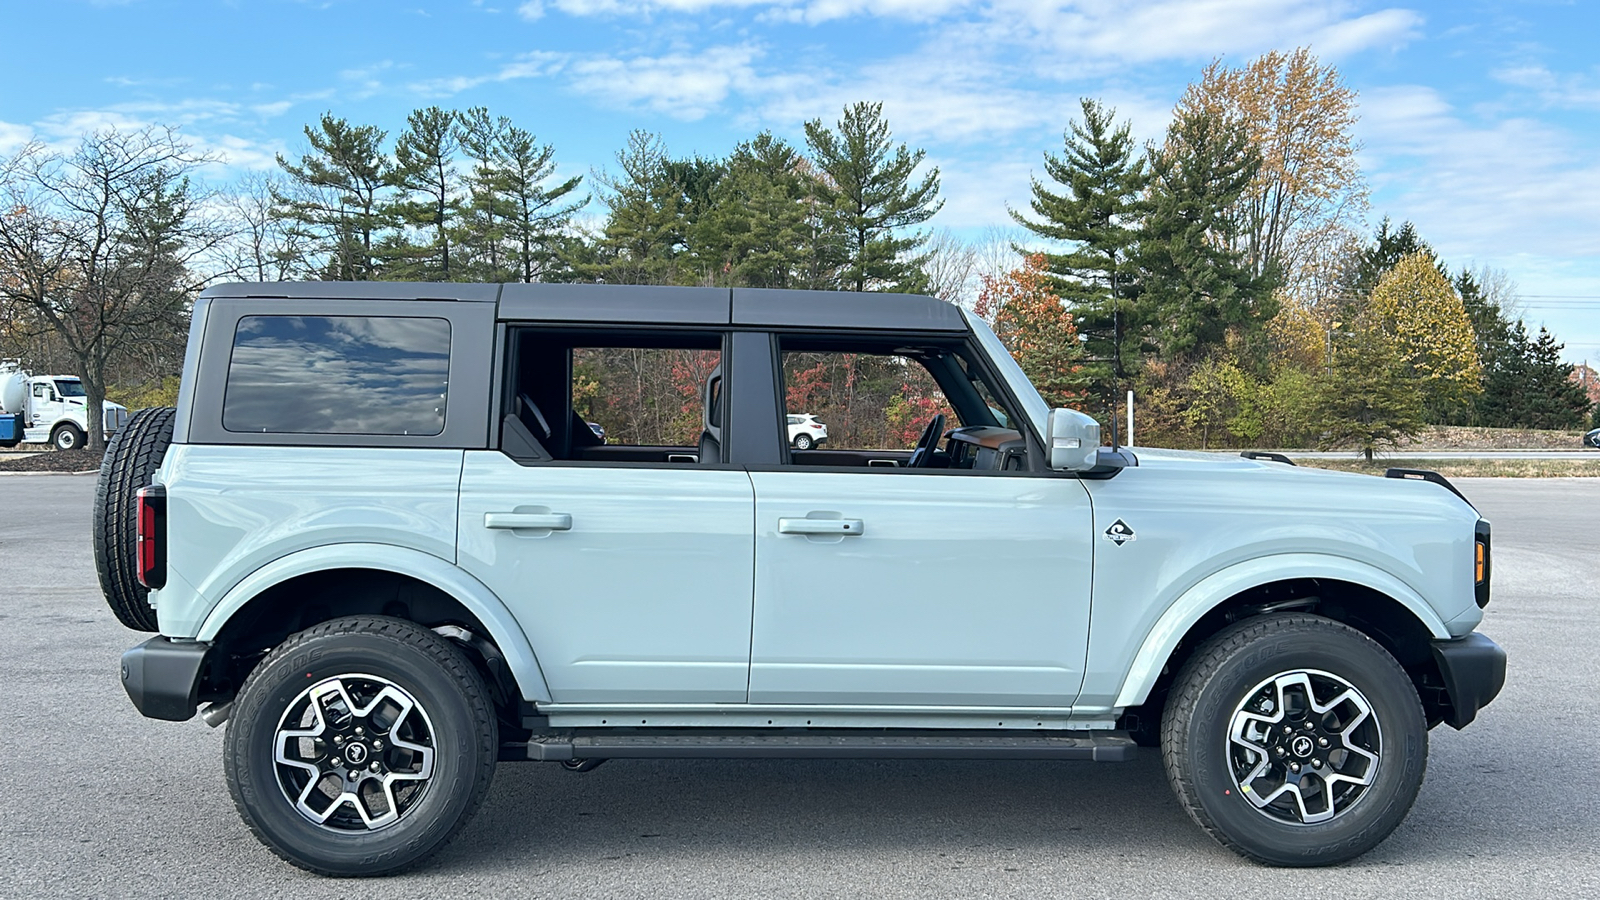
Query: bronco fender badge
column 1119, row 533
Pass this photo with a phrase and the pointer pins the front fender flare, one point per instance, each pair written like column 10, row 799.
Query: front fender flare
column 1219, row 586
column 465, row 589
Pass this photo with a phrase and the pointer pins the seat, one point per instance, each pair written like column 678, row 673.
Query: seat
column 711, row 418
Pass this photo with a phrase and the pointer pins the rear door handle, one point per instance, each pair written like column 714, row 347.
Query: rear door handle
column 819, row 526
column 552, row 521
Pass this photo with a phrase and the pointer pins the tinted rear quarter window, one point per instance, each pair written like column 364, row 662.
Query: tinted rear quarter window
column 377, row 375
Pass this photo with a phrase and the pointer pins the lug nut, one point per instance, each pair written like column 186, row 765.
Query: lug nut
column 1280, row 751
column 377, row 745
column 1322, row 742
column 374, row 766
column 1287, row 729
column 1294, row 767
column 358, row 730
column 338, row 739
column 1316, row 763
column 335, row 762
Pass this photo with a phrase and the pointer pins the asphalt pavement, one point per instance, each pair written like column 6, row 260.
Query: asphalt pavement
column 96, row 801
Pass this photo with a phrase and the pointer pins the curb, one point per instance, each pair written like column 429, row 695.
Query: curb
column 4, row 474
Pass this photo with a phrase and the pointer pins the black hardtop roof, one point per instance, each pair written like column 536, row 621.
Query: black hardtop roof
column 639, row 304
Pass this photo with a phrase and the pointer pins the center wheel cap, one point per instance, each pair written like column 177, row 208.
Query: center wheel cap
column 1302, row 747
column 357, row 753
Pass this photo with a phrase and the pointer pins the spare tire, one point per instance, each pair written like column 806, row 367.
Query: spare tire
column 131, row 460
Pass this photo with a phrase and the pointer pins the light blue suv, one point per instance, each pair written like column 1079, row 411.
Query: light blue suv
column 380, row 540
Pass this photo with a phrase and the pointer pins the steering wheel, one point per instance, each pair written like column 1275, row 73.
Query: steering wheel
column 922, row 457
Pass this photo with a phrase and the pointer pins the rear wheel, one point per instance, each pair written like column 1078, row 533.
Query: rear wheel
column 802, row 441
column 67, row 437
column 361, row 746
column 1295, row 740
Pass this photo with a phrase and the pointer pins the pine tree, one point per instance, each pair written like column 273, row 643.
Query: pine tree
column 1530, row 387
column 537, row 214
column 336, row 196
column 754, row 232
column 430, row 194
column 867, row 196
column 1194, row 286
column 644, row 240
column 1388, row 247
column 481, row 228
column 1095, row 212
column 1370, row 399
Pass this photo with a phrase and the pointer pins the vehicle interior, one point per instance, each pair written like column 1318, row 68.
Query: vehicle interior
column 627, row 396
column 909, row 405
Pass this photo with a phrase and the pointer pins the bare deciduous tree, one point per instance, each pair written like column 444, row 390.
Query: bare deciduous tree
column 98, row 246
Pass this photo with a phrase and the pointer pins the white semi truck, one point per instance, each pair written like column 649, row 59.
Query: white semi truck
column 52, row 408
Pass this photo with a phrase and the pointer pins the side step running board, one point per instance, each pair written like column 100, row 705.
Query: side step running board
column 1099, row 746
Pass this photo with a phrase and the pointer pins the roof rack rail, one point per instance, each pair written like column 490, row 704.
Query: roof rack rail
column 1426, row 475
column 1263, row 454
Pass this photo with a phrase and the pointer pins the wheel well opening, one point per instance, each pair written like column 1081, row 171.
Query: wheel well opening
column 1373, row 613
column 306, row 600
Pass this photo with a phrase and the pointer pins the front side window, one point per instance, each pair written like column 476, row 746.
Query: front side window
column 375, row 375
column 894, row 405
column 71, row 388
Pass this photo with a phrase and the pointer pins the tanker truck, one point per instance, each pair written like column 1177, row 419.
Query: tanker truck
column 48, row 408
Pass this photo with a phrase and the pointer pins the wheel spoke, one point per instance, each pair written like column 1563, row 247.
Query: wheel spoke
column 1303, row 746
column 358, row 724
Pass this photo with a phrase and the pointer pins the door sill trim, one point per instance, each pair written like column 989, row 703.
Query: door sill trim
column 783, row 715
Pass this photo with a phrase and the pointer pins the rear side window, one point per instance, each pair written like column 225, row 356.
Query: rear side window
column 379, row 375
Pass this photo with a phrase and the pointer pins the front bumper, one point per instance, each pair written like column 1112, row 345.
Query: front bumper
column 162, row 677
column 1474, row 670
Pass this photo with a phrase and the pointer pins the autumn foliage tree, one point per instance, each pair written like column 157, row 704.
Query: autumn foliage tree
column 1416, row 307
column 1300, row 116
column 1038, row 330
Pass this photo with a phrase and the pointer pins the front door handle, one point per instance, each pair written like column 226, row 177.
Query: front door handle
column 819, row 526
column 552, row 521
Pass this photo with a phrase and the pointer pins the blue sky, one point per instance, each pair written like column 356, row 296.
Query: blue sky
column 1480, row 120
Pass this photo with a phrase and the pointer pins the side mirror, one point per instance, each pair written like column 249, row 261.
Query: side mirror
column 1074, row 440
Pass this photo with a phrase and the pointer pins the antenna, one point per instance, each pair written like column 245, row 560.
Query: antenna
column 1116, row 353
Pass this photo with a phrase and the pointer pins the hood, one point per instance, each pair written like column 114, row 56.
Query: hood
column 1327, row 486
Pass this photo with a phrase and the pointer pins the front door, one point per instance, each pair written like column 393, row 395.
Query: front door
column 919, row 558
column 907, row 589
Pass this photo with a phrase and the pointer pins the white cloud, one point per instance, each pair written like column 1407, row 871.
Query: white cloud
column 1089, row 30
column 682, row 85
column 1504, row 187
column 528, row 65
column 13, row 137
column 1566, row 91
column 811, row 11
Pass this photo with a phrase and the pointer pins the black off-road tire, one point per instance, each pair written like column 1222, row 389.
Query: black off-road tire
column 444, row 684
column 1219, row 678
column 131, row 460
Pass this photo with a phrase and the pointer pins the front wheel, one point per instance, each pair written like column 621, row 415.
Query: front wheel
column 1295, row 740
column 360, row 746
column 68, row 437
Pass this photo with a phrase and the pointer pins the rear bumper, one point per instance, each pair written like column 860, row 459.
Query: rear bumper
column 1474, row 670
column 162, row 677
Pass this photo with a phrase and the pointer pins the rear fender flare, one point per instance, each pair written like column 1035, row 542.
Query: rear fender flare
column 1217, row 587
column 447, row 577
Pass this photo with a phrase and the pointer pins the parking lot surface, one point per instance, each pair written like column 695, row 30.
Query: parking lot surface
column 96, row 801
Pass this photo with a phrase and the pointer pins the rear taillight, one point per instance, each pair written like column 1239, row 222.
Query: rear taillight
column 153, row 536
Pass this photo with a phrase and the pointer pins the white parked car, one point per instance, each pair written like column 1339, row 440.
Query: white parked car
column 806, row 431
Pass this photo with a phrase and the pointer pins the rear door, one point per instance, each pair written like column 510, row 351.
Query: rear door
column 629, row 559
